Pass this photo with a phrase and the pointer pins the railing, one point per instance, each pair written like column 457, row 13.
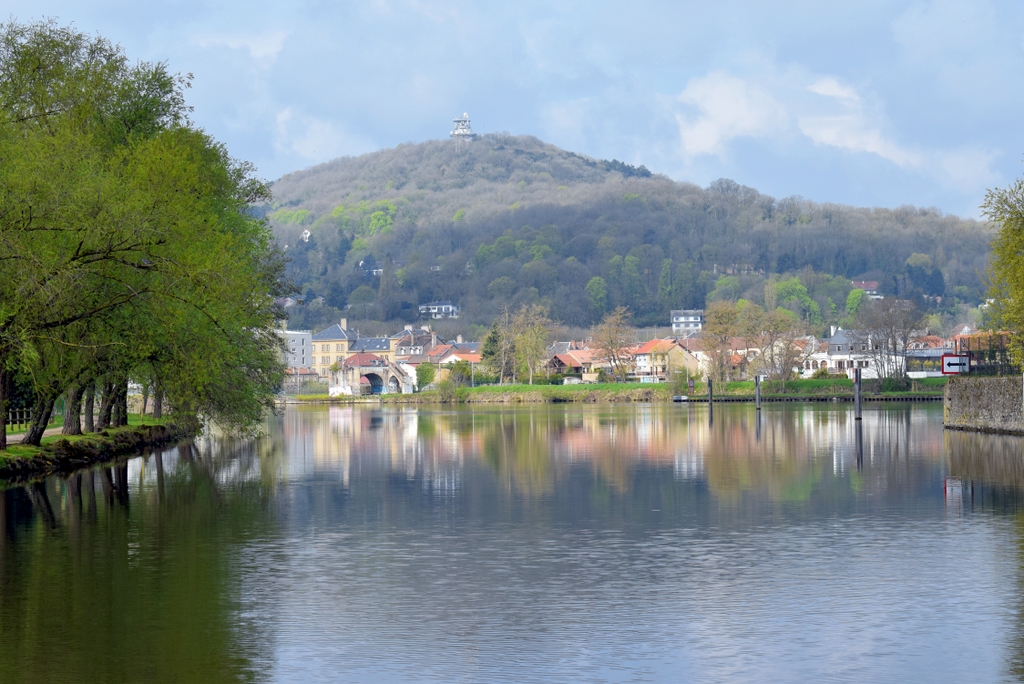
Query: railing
column 18, row 420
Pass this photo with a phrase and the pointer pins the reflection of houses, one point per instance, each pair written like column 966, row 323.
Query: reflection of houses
column 363, row 373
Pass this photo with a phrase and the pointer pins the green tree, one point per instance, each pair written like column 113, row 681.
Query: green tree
column 1005, row 207
column 531, row 330
column 424, row 375
column 597, row 292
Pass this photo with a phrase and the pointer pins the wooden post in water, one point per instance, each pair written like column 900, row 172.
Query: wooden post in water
column 757, row 392
column 856, row 394
column 711, row 394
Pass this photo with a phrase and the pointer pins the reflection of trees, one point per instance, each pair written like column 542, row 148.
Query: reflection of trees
column 104, row 579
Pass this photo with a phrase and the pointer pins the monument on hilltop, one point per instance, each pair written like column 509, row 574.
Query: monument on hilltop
column 462, row 131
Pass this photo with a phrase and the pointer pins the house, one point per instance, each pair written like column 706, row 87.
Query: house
column 655, row 360
column 438, row 310
column 848, row 351
column 414, row 341
column 298, row 351
column 687, row 322
column 384, row 347
column 870, row 288
column 331, row 346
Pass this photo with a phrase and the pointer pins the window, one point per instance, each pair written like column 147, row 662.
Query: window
column 338, row 359
column 325, row 347
column 337, row 347
column 325, row 360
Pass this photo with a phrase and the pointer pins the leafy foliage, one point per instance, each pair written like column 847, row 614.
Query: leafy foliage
column 512, row 220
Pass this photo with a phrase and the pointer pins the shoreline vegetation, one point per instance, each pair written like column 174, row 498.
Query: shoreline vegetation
column 131, row 254
column 65, row 453
column 840, row 389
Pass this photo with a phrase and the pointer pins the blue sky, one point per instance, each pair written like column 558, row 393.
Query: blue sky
column 876, row 103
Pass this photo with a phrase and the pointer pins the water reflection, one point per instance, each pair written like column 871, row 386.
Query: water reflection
column 788, row 455
column 553, row 543
column 112, row 574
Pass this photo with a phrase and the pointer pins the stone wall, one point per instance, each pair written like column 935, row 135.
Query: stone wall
column 985, row 404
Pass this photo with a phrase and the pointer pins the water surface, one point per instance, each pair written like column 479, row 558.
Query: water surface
column 551, row 543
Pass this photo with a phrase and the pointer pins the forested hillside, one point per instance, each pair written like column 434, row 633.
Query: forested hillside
column 511, row 219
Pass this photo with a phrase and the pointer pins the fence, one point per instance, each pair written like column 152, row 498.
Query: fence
column 989, row 354
column 19, row 419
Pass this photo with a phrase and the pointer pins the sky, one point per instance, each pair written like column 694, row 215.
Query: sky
column 874, row 103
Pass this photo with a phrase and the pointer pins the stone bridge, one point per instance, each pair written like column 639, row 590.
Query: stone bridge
column 362, row 374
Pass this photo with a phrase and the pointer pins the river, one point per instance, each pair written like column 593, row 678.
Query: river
column 547, row 543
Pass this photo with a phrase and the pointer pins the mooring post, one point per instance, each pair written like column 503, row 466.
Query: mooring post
column 856, row 394
column 757, row 391
column 711, row 394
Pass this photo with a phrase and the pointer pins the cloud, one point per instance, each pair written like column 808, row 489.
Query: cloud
column 729, row 107
column 853, row 132
column 830, row 87
column 263, row 47
column 316, row 139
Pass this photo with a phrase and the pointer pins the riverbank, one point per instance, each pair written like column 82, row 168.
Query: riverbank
column 985, row 405
column 61, row 453
column 827, row 389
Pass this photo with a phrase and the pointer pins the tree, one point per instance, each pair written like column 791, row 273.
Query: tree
column 1005, row 207
column 531, row 332
column 127, row 240
column 424, row 375
column 498, row 351
column 613, row 338
column 721, row 323
column 885, row 328
column 597, row 291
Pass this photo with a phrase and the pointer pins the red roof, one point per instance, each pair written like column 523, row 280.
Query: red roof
column 657, row 346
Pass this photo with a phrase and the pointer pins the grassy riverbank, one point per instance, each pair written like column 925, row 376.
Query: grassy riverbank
column 642, row 392
column 67, row 452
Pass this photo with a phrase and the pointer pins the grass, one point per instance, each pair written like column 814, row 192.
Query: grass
column 21, row 451
column 809, row 387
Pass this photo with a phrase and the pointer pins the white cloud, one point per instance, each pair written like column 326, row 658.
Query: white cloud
column 729, row 107
column 853, row 127
column 263, row 47
column 316, row 139
column 853, row 132
column 830, row 87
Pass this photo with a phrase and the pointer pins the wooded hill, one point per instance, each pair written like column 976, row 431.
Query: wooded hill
column 511, row 219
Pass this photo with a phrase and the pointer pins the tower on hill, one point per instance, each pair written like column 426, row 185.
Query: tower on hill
column 462, row 131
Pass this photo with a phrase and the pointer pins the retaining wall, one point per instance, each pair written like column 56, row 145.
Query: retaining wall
column 985, row 404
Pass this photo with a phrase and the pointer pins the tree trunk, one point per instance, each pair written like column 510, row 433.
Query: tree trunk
column 90, row 402
column 158, row 401
column 115, row 409
column 106, row 404
column 145, row 398
column 6, row 387
column 123, row 404
column 40, row 417
column 73, row 411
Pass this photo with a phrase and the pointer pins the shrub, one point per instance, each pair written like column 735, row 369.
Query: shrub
column 895, row 384
column 446, row 392
column 424, row 375
column 820, row 374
